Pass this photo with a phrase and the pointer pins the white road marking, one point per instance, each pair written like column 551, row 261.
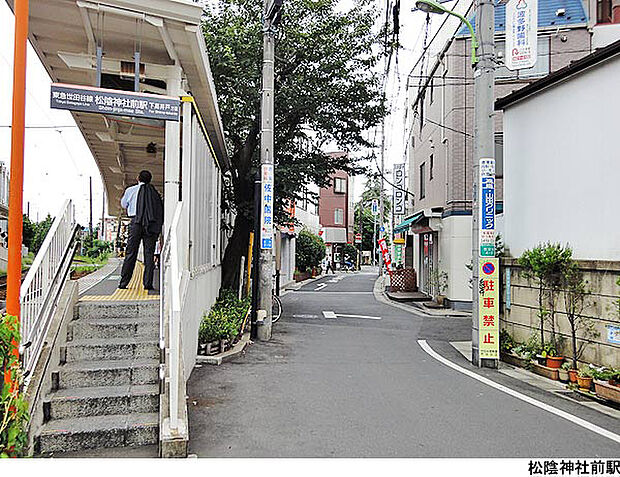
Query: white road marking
column 329, row 314
column 358, row 316
column 320, row 287
column 305, row 316
column 333, row 280
column 546, row 407
column 335, row 292
column 114, row 277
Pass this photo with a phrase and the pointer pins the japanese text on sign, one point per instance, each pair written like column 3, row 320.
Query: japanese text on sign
column 119, row 103
column 386, row 255
column 399, row 189
column 521, row 33
column 266, row 214
column 486, row 198
column 488, row 306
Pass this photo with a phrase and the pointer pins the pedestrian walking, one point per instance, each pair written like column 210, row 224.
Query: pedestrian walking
column 330, row 266
column 145, row 208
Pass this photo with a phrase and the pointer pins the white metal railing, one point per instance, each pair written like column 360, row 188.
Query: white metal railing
column 172, row 279
column 43, row 284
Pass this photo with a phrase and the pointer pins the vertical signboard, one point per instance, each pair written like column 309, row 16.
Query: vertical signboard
column 266, row 214
column 488, row 308
column 386, row 255
column 521, row 34
column 486, row 199
column 399, row 189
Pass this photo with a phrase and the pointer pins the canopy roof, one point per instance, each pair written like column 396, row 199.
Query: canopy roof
column 65, row 34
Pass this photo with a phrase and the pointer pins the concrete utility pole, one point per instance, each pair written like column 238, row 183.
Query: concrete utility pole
column 484, row 147
column 265, row 259
column 484, row 136
column 381, row 189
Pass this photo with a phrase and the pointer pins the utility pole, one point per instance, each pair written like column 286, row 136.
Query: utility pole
column 381, row 188
column 484, row 147
column 273, row 10
column 90, row 220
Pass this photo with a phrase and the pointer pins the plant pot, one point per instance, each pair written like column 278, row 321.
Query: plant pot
column 607, row 391
column 554, row 361
column 212, row 347
column 563, row 375
column 441, row 300
column 542, row 360
column 584, row 382
column 224, row 345
column 572, row 375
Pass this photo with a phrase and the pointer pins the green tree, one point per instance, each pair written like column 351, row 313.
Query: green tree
column 309, row 251
column 29, row 230
column 327, row 91
column 41, row 230
column 367, row 225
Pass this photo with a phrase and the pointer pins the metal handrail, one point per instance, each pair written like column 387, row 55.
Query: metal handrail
column 43, row 284
column 171, row 281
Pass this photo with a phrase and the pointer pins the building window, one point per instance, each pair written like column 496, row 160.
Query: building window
column 339, row 216
column 541, row 68
column 430, row 167
column 422, row 182
column 499, row 155
column 604, row 11
column 340, row 185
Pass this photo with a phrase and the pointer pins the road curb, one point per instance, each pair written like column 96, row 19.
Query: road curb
column 297, row 285
column 235, row 351
column 381, row 297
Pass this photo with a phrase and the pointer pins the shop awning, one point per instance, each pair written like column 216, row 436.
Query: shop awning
column 405, row 224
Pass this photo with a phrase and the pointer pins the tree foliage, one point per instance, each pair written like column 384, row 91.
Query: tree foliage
column 309, row 250
column 326, row 92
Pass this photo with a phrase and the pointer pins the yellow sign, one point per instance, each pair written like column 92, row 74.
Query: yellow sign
column 488, row 306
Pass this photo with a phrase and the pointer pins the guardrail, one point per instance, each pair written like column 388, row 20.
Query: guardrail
column 43, row 284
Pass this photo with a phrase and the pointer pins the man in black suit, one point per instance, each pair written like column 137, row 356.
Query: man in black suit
column 145, row 208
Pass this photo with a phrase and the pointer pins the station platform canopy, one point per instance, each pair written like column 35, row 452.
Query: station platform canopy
column 167, row 34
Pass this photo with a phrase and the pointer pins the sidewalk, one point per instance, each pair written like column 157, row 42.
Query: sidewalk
column 416, row 301
column 87, row 282
column 556, row 388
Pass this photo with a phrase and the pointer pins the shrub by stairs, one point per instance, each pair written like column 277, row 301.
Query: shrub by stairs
column 105, row 389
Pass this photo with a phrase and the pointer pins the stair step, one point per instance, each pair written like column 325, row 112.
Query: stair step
column 89, row 328
column 125, row 309
column 79, row 374
column 65, row 435
column 101, row 400
column 111, row 349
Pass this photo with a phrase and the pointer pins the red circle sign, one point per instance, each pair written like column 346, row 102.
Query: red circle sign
column 488, row 268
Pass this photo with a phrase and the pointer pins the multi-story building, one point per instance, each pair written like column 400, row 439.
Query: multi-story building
column 336, row 213
column 440, row 141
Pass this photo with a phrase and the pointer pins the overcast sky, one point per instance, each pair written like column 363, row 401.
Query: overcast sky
column 58, row 163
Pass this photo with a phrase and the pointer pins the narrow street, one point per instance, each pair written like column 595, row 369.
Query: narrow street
column 344, row 375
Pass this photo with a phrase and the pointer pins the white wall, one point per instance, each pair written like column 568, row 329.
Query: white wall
column 455, row 254
column 562, row 166
column 603, row 35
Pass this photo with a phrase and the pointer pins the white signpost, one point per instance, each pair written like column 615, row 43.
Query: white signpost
column 375, row 207
column 521, row 34
column 399, row 189
column 266, row 214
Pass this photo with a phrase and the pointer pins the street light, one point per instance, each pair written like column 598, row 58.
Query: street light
column 430, row 6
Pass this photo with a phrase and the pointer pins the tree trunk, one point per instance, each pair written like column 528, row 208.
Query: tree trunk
column 237, row 247
column 573, row 333
column 542, row 316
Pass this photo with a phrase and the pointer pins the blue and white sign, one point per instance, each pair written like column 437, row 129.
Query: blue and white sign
column 613, row 334
column 521, row 34
column 266, row 214
column 374, row 207
column 486, row 198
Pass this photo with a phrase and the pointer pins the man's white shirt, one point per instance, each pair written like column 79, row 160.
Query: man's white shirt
column 130, row 199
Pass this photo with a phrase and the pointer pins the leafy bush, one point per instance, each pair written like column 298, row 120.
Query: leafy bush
column 225, row 319
column 13, row 407
column 506, row 342
column 309, row 250
column 529, row 349
column 97, row 249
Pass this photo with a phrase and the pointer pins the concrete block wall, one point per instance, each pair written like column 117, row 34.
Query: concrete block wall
column 521, row 319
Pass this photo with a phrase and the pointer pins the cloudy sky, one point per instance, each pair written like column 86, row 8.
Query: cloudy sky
column 58, row 163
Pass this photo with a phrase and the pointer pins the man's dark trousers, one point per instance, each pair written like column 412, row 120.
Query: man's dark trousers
column 137, row 233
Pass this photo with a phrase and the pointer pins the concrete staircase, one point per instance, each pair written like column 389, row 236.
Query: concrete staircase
column 105, row 389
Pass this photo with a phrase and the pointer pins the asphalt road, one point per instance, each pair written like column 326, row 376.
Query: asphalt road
column 349, row 386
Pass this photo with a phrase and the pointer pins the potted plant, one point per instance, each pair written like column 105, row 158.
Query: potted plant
column 584, row 378
column 553, row 360
column 563, row 372
column 439, row 283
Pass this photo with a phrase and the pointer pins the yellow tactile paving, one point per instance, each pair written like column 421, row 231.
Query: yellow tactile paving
column 135, row 290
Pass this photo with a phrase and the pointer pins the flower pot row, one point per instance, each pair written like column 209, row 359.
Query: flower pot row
column 216, row 347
